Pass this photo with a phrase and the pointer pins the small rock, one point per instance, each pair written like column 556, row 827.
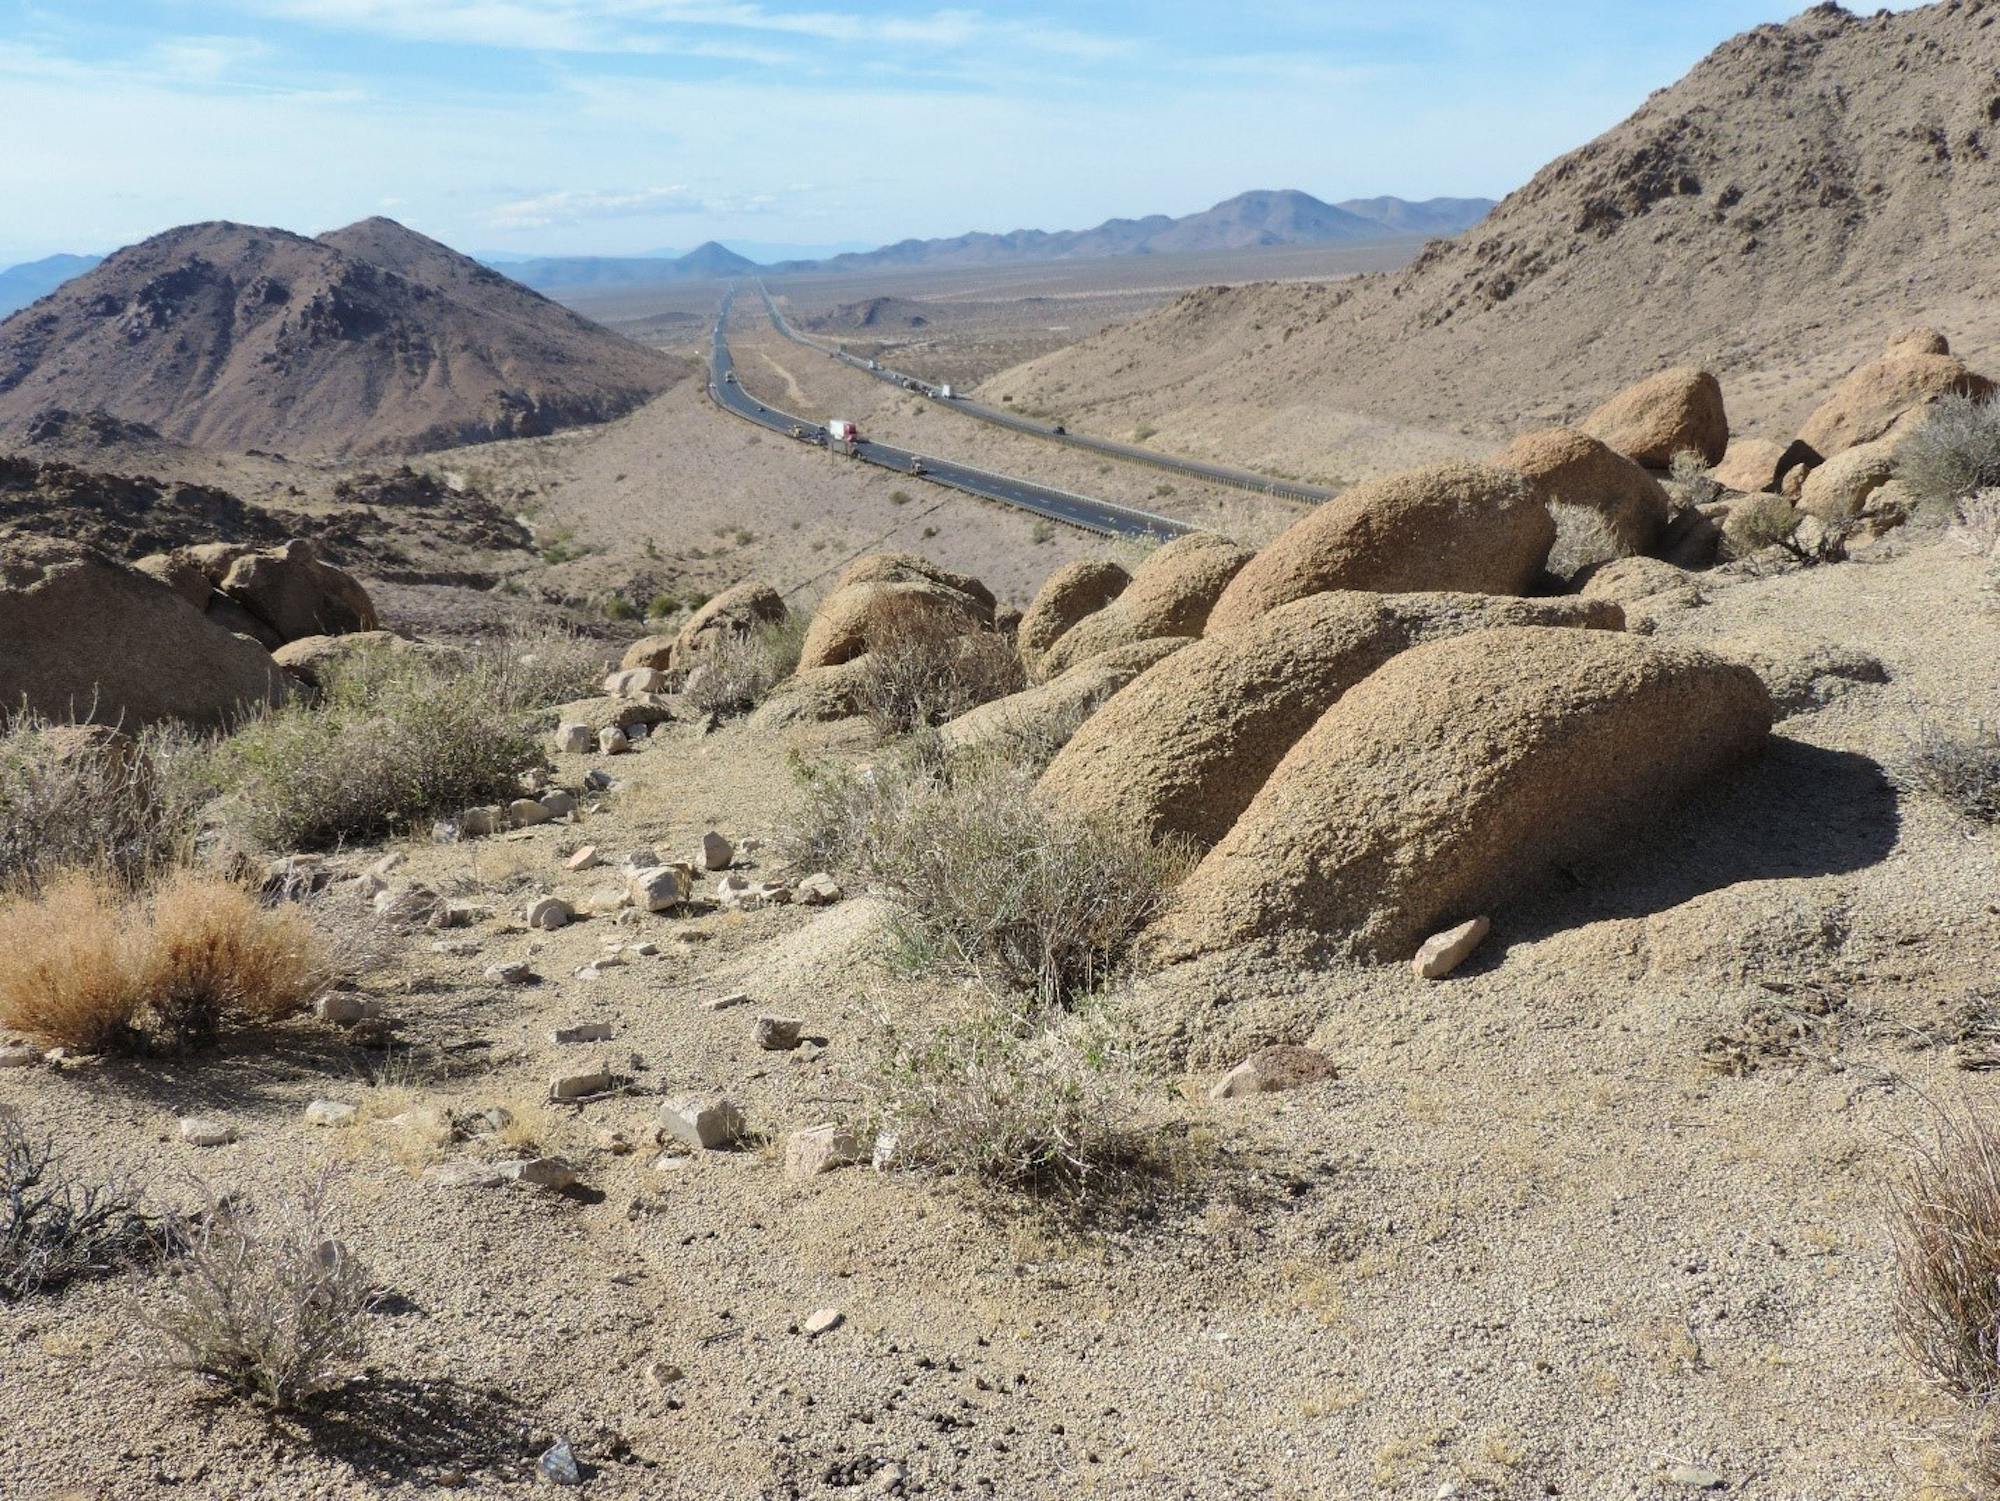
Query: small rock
column 593, row 1079
column 1271, row 1070
column 777, row 1034
column 1442, row 953
column 526, row 812
column 460, row 915
column 808, row 1052
column 18, row 1055
column 820, row 1149
column 330, row 1113
column 612, row 741
column 513, row 972
column 706, row 1123
column 459, row 947
column 597, row 779
column 890, row 1477
column 656, row 888
column 643, row 858
column 617, row 1143
column 345, row 1010
column 406, row 904
column 724, row 1002
column 661, row 1374
column 635, row 680
column 583, row 859
column 540, row 1172
column 206, row 1131
column 482, row 821
column 644, row 949
column 485, row 1122
column 885, row 1159
column 817, row 890
column 559, row 804
column 824, row 1321
column 574, row 739
column 1694, row 1478
column 582, row 1032
column 558, row 1465
column 466, row 1175
column 716, row 852
column 549, row 913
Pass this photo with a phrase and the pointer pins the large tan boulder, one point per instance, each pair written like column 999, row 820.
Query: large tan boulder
column 1454, row 775
column 1471, row 528
column 311, row 658
column 297, row 594
column 1919, row 340
column 814, row 695
column 1570, row 468
column 1626, row 581
column 731, row 615
column 1039, row 721
column 180, row 573
column 655, row 653
column 1068, row 595
column 1663, row 415
column 1171, row 594
column 908, row 568
column 1839, row 489
column 851, row 620
column 1182, row 751
column 90, row 638
column 1868, row 403
column 1750, row 465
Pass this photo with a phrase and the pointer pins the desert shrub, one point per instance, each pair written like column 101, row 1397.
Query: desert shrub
column 86, row 964
column 264, row 1301
column 1689, row 479
column 737, row 673
column 1584, row 539
column 1954, row 452
column 922, row 669
column 53, row 1228
column 1757, row 522
column 534, row 665
column 1975, row 524
column 393, row 742
column 1945, row 1227
column 986, row 879
column 1958, row 767
column 1044, row 1106
column 67, row 799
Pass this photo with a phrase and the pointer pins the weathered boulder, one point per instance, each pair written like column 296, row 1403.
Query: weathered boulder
column 1918, row 340
column 1183, row 750
column 89, row 638
column 311, row 658
column 1456, row 773
column 1068, row 595
column 1626, row 581
column 731, row 615
column 1867, row 404
column 1838, row 490
column 1171, row 594
column 615, row 713
column 1042, row 719
column 852, row 620
column 1750, row 465
column 908, row 568
column 656, row 652
column 180, row 573
column 1471, row 528
column 813, row 695
column 1664, row 414
column 1570, row 468
column 297, row 594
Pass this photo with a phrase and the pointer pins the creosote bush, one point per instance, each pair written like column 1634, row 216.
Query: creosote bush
column 1955, row 452
column 55, row 1229
column 922, row 668
column 1960, row 768
column 88, row 965
column 737, row 673
column 264, row 1301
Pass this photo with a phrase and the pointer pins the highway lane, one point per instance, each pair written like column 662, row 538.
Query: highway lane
column 1103, row 517
column 1240, row 479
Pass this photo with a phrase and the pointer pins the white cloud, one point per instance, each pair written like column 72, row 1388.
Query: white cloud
column 571, row 207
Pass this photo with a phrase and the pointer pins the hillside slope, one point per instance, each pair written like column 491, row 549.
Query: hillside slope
column 1805, row 190
column 368, row 339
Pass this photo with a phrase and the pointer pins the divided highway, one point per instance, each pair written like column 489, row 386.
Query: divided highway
column 1099, row 516
column 1240, row 479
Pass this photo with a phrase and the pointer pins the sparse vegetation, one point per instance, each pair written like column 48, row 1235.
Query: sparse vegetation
column 1960, row 768
column 86, row 965
column 618, row 607
column 1975, row 525
column 738, row 672
column 53, row 1228
column 1584, row 539
column 1689, row 480
column 660, row 606
column 1945, row 1226
column 1041, row 532
column 921, row 670
column 899, row 497
column 1955, row 452
column 1144, row 431
column 1757, row 522
column 264, row 1301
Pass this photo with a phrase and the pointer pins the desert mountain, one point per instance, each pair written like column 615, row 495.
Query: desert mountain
column 23, row 284
column 710, row 261
column 369, row 339
column 1804, row 191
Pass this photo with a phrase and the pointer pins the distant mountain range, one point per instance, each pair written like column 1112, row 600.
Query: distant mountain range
column 577, row 272
column 21, row 285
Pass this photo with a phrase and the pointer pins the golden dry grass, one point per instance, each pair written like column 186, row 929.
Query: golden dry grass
column 69, row 963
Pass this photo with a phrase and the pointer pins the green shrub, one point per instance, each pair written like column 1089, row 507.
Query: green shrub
column 1689, row 479
column 660, row 606
column 618, row 607
column 1954, row 452
column 1757, row 522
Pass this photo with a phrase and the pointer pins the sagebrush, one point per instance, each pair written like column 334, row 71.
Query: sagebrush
column 1959, row 767
column 737, row 672
column 1690, row 480
column 1954, row 452
column 924, row 667
column 1945, row 1227
column 1584, row 540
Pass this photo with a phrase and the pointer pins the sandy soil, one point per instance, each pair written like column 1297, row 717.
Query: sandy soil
column 1527, row 1244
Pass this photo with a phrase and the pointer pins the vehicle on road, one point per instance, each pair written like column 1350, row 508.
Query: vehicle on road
column 729, row 378
column 916, row 466
column 1058, row 429
column 945, row 392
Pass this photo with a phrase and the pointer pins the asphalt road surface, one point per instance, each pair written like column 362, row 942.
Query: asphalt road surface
column 1099, row 516
column 1241, row 479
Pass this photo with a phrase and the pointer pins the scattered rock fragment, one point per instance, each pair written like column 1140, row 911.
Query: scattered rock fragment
column 526, row 812
column 343, row 1009
column 575, row 739
column 18, row 1055
column 581, row 1032
column 558, row 1465
column 330, row 1113
column 777, row 1034
column 593, row 1078
column 724, row 1002
column 635, row 680
column 659, row 887
column 540, row 1172
column 612, row 741
column 1273, row 1070
column 558, row 803
column 717, row 853
column 817, row 890
column 1442, row 953
column 822, row 1321
column 206, row 1131
column 821, row 1149
column 583, row 859
column 549, row 913
column 513, row 972
column 709, row 1124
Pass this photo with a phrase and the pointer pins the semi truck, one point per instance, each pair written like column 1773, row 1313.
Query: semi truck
column 945, row 392
column 842, row 434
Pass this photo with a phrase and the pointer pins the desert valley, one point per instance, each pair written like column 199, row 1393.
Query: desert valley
column 1307, row 850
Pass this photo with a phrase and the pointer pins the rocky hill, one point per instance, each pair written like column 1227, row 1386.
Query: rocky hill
column 369, row 339
column 1804, row 191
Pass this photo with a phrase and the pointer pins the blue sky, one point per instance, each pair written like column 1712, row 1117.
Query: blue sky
column 617, row 126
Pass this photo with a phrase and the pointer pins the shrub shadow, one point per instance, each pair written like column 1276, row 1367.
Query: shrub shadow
column 394, row 1429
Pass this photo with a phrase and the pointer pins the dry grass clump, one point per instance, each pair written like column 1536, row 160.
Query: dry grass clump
column 54, row 1229
column 1756, row 522
column 737, row 673
column 921, row 669
column 1584, row 540
column 85, row 964
column 1975, row 525
column 987, row 879
column 264, row 1302
column 1958, row 767
column 530, row 666
column 1955, row 452
column 76, row 795
column 395, row 740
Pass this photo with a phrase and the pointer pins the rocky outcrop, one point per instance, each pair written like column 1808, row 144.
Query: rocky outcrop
column 1040, row 720
column 276, row 595
column 730, row 616
column 1909, row 375
column 1665, row 414
column 1570, row 468
column 1171, row 594
column 1067, row 596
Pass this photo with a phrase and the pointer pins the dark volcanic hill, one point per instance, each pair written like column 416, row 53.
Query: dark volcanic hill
column 1805, row 190
column 368, row 339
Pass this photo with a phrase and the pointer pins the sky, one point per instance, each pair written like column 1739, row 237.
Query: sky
column 624, row 126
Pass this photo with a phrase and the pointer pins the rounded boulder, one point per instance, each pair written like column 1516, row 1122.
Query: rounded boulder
column 1663, row 415
column 1171, row 594
column 1570, row 468
column 1868, row 403
column 731, row 615
column 1068, row 595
